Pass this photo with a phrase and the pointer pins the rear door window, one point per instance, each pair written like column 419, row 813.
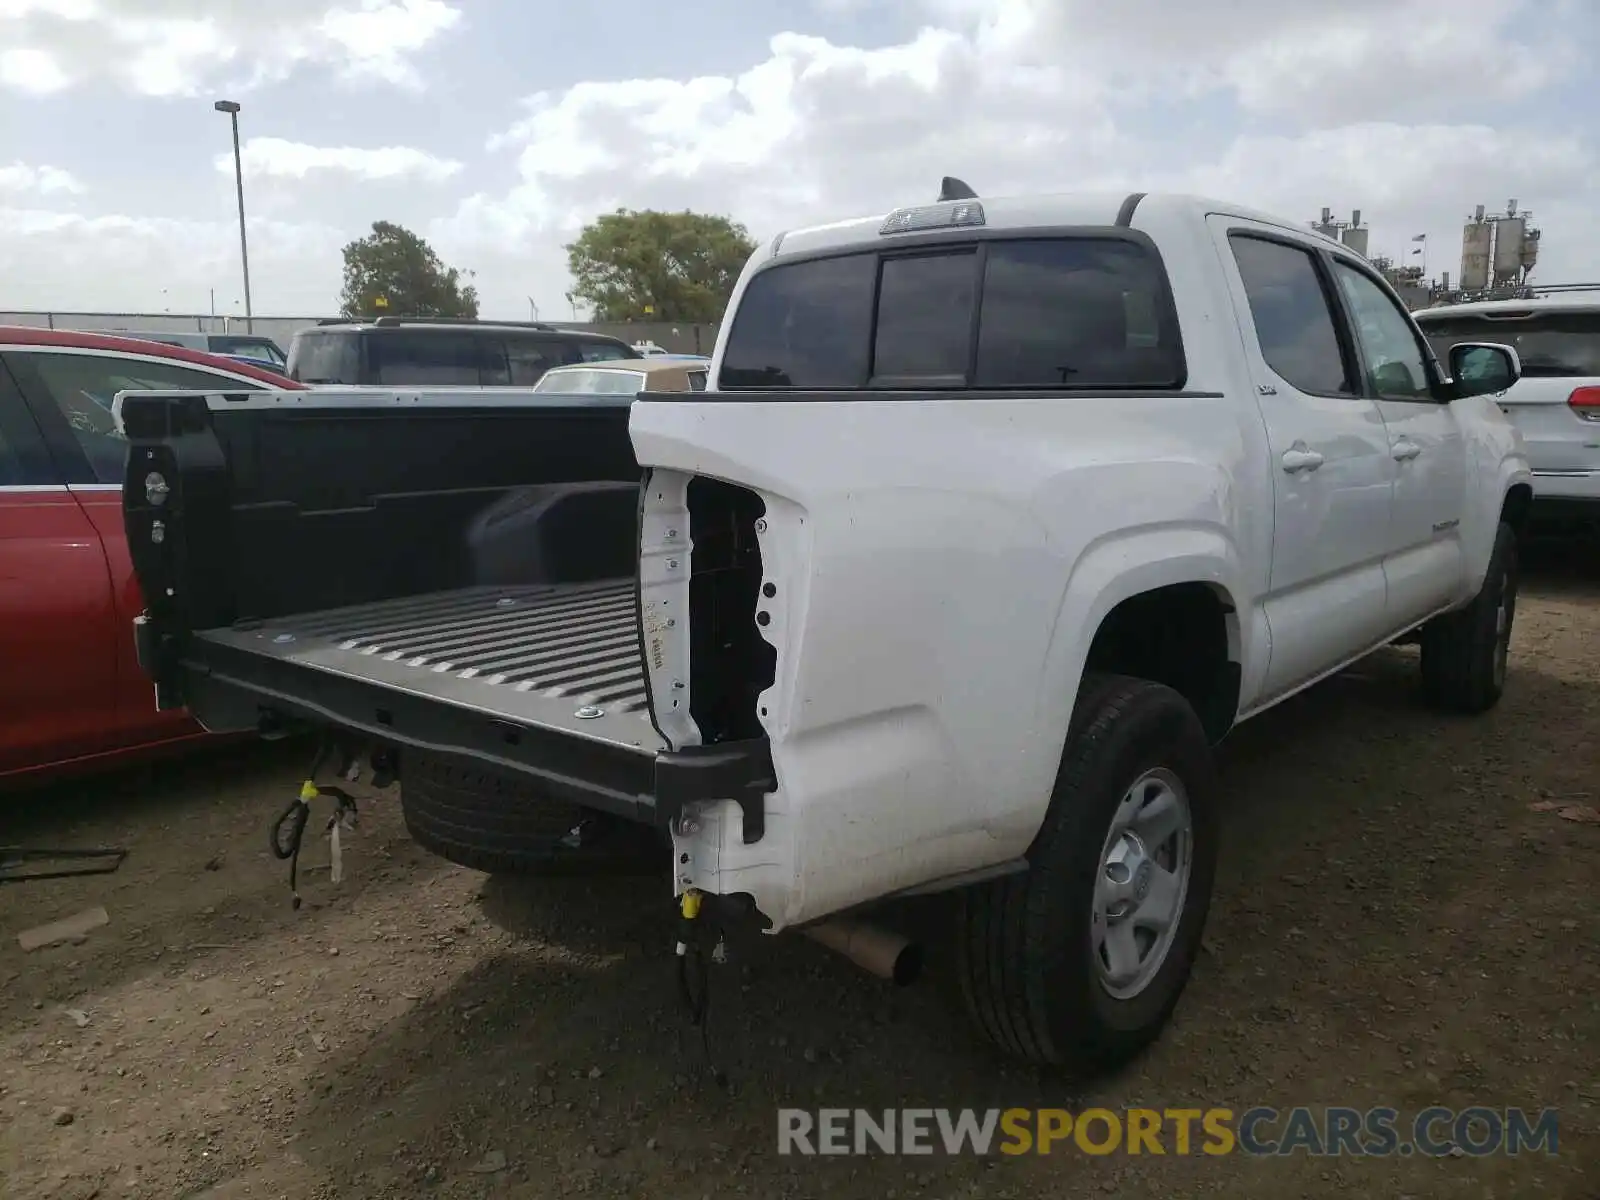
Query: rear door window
column 530, row 358
column 1556, row 345
column 418, row 358
column 81, row 388
column 316, row 358
column 1292, row 314
column 24, row 461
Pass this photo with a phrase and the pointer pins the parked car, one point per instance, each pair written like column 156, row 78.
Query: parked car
column 73, row 694
column 998, row 516
column 655, row 373
column 1556, row 403
column 402, row 352
column 258, row 351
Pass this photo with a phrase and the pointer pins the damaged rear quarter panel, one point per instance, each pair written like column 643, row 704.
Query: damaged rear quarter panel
column 922, row 552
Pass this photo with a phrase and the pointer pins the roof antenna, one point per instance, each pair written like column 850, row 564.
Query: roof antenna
column 954, row 189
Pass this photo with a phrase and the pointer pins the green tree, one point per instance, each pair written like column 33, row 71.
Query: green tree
column 658, row 266
column 393, row 272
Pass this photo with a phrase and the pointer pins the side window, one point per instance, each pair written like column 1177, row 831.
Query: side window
column 1079, row 312
column 925, row 317
column 697, row 381
column 11, row 469
column 803, row 325
column 530, row 358
column 594, row 352
column 421, row 359
column 1292, row 318
column 82, row 387
column 1395, row 366
column 23, row 461
column 316, row 357
column 494, row 363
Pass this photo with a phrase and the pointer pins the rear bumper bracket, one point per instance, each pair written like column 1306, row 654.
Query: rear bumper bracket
column 740, row 771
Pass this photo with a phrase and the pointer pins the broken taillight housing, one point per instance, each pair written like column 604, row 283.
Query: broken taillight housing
column 1585, row 401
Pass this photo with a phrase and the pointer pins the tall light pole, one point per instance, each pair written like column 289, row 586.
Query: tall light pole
column 231, row 107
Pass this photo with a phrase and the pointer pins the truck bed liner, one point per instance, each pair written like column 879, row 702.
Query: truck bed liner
column 532, row 655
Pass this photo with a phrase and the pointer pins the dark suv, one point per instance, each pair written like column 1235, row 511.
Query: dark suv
column 435, row 352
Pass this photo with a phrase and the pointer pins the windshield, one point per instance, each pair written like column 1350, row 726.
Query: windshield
column 1550, row 344
column 257, row 349
column 593, row 381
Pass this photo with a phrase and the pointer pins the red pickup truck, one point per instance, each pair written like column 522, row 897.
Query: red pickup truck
column 72, row 695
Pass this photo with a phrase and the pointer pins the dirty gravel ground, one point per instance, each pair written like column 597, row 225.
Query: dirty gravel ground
column 1393, row 925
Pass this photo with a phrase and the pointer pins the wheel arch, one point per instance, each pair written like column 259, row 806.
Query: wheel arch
column 1190, row 574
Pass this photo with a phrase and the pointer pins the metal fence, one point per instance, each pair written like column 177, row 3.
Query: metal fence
column 678, row 338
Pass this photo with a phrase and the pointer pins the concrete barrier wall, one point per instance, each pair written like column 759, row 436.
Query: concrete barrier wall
column 681, row 339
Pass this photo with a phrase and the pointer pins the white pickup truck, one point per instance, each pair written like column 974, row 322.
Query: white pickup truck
column 997, row 516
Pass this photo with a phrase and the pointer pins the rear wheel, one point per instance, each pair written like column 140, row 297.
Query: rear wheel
column 1079, row 962
column 1465, row 653
column 503, row 825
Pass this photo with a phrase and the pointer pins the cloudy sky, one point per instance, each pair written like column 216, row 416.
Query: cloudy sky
column 496, row 128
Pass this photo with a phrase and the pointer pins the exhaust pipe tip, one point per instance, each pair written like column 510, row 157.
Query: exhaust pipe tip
column 878, row 951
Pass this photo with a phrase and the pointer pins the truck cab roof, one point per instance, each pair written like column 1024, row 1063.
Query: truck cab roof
column 1053, row 211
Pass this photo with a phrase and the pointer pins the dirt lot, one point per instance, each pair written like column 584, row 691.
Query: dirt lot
column 1394, row 925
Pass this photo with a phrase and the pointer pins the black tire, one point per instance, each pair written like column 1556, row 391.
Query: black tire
column 1464, row 653
column 1026, row 958
column 503, row 825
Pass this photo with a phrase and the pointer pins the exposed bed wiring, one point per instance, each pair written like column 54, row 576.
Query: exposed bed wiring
column 288, row 831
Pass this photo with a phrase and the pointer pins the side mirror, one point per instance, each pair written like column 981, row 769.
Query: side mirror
column 1482, row 368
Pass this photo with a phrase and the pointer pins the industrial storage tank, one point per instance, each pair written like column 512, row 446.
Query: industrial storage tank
column 1475, row 243
column 1510, row 236
column 1530, row 252
column 1356, row 239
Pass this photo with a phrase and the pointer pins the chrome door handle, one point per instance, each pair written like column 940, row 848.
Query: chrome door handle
column 1406, row 451
column 1301, row 460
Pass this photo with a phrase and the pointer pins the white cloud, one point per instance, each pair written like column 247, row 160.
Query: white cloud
column 81, row 263
column 378, row 37
column 184, row 47
column 1026, row 95
column 280, row 159
column 1412, row 110
column 21, row 179
column 31, row 71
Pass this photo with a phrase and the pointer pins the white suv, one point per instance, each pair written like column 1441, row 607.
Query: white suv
column 1556, row 403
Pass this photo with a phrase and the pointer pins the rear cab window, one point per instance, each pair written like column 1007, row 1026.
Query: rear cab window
column 1553, row 343
column 1081, row 311
column 602, row 382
